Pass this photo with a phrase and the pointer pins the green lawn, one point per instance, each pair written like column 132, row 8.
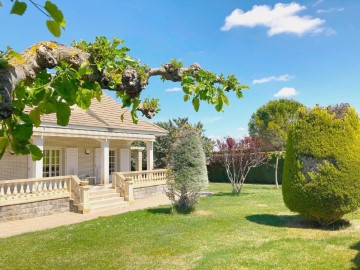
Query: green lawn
column 251, row 231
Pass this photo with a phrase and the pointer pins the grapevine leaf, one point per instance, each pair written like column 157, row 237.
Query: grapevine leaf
column 18, row 8
column 53, row 27
column 23, row 132
column 63, row 113
column 196, row 103
column 34, row 116
column 55, row 13
column 3, row 144
column 36, row 153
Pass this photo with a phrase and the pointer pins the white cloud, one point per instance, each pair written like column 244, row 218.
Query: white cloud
column 282, row 18
column 282, row 78
column 317, row 3
column 286, row 92
column 241, row 129
column 174, row 89
column 211, row 120
column 330, row 32
column 330, row 10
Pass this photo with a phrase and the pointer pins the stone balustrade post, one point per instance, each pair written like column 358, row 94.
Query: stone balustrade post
column 129, row 189
column 114, row 180
column 84, row 206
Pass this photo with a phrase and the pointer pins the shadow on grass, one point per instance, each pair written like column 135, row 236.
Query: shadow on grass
column 295, row 221
column 229, row 194
column 356, row 260
column 160, row 210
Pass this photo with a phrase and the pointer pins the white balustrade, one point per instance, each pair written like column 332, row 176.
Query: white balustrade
column 25, row 190
column 147, row 178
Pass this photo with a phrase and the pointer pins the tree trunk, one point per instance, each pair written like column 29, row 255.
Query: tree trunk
column 276, row 172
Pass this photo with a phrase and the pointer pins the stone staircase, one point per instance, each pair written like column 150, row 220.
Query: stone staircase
column 104, row 198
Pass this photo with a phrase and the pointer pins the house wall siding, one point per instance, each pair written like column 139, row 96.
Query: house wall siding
column 13, row 166
column 86, row 162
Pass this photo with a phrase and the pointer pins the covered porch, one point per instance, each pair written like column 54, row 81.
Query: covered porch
column 91, row 155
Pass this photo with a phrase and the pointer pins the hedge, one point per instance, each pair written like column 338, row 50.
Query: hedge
column 258, row 175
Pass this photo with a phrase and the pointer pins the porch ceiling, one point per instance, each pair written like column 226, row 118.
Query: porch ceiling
column 71, row 142
column 82, row 142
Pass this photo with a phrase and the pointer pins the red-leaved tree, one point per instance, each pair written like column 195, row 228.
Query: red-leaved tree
column 238, row 156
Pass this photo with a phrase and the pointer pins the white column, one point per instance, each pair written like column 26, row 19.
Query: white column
column 104, row 169
column 36, row 167
column 125, row 160
column 150, row 155
column 139, row 160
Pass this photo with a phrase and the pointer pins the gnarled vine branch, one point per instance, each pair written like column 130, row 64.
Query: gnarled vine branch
column 49, row 77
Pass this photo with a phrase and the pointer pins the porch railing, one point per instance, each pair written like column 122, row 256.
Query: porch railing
column 147, row 178
column 39, row 189
column 125, row 182
column 79, row 194
column 33, row 189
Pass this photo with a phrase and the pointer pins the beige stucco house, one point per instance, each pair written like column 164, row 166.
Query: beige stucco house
column 93, row 149
column 95, row 144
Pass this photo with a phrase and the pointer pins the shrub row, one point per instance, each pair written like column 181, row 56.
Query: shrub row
column 264, row 174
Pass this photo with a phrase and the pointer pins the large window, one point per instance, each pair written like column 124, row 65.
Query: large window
column 112, row 161
column 51, row 163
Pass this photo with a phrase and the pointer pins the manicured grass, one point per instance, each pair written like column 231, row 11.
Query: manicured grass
column 251, row 231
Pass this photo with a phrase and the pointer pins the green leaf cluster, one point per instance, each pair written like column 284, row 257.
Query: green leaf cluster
column 151, row 104
column 48, row 93
column 56, row 20
column 206, row 86
column 321, row 178
column 112, row 60
column 17, row 135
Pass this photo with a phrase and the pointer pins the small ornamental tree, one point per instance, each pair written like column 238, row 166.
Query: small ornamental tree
column 321, row 177
column 163, row 144
column 238, row 157
column 271, row 122
column 188, row 173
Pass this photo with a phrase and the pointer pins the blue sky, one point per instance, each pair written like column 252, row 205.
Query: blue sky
column 305, row 50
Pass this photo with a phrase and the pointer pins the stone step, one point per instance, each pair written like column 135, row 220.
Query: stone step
column 106, row 201
column 101, row 191
column 108, row 206
column 102, row 196
column 107, row 186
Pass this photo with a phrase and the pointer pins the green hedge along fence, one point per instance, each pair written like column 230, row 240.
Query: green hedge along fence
column 264, row 174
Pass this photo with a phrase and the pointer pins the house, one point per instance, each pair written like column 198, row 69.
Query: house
column 93, row 149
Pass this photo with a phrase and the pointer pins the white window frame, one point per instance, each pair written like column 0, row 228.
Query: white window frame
column 50, row 162
column 114, row 163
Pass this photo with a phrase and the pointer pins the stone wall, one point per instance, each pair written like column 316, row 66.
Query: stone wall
column 145, row 192
column 34, row 209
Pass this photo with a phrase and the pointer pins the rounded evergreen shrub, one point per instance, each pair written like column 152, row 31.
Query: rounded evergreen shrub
column 187, row 171
column 321, row 177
